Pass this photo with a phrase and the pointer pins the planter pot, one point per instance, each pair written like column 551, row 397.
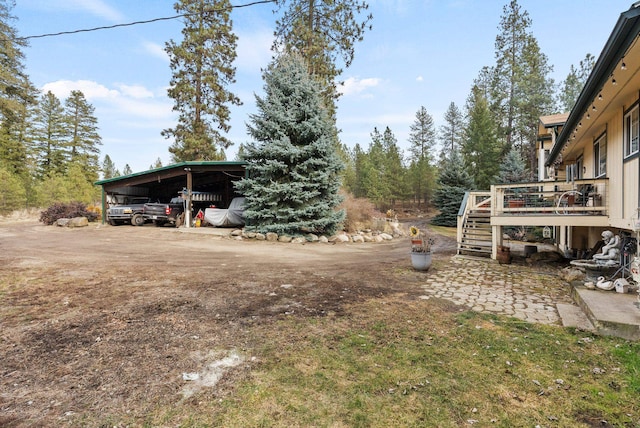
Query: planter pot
column 504, row 255
column 421, row 261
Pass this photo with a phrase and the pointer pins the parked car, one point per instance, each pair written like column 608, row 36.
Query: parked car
column 129, row 211
column 162, row 213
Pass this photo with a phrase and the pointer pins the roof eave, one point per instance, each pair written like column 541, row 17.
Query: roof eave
column 624, row 33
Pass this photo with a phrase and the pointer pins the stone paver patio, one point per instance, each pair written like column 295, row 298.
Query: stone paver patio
column 527, row 293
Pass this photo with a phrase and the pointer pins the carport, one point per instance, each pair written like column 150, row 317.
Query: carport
column 201, row 183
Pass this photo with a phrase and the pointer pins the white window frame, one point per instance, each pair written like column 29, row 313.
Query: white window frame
column 632, row 131
column 600, row 156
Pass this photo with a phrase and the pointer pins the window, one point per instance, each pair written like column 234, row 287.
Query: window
column 600, row 156
column 631, row 131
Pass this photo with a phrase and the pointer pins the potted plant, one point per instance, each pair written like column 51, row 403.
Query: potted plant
column 420, row 249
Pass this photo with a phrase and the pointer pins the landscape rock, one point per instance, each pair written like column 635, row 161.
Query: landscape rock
column 260, row 236
column 312, row 238
column 62, row 222
column 570, row 274
column 272, row 237
column 357, row 238
column 236, row 232
column 78, row 222
column 299, row 240
column 386, row 236
column 323, row 239
column 285, row 238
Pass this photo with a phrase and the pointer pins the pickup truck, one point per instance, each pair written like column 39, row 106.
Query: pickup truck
column 129, row 211
column 163, row 213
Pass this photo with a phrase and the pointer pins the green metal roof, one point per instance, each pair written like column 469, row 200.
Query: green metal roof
column 170, row 167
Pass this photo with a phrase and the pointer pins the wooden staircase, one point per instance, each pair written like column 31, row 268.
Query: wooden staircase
column 474, row 228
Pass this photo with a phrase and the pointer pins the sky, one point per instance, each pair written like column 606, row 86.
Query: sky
column 420, row 53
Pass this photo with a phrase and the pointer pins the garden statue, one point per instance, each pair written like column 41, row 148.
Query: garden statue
column 610, row 254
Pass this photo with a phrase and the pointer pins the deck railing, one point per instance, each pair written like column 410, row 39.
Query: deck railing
column 579, row 197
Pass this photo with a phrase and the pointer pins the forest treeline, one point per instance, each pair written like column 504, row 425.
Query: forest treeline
column 50, row 148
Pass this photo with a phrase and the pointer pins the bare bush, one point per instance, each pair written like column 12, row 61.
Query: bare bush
column 361, row 213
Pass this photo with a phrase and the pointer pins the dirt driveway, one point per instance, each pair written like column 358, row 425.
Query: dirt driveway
column 104, row 320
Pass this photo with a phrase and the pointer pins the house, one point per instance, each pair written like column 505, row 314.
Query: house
column 589, row 163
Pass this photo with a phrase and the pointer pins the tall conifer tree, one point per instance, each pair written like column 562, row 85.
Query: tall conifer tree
column 324, row 32
column 293, row 169
column 202, row 66
column 17, row 96
column 50, row 136
column 84, row 140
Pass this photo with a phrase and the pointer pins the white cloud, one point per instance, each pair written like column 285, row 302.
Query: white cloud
column 95, row 7
column 155, row 50
column 90, row 89
column 354, row 85
column 126, row 103
column 134, row 91
column 419, row 79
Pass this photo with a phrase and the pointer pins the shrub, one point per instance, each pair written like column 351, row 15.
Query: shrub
column 361, row 213
column 66, row 210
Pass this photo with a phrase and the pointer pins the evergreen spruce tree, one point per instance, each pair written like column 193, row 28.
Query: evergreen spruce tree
column 513, row 169
column 127, row 170
column 293, row 170
column 453, row 182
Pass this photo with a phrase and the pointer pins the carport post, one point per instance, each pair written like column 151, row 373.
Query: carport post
column 104, row 206
column 187, row 210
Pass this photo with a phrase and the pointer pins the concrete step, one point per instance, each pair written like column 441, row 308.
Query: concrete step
column 573, row 316
column 611, row 313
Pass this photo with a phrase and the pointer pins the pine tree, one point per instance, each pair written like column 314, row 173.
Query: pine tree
column 422, row 141
column 108, row 168
column 50, row 136
column 202, row 71
column 535, row 98
column 453, row 182
column 481, row 150
column 452, row 131
column 324, row 32
column 127, row 170
column 17, row 96
column 575, row 81
column 13, row 195
column 292, row 166
column 507, row 74
column 84, row 139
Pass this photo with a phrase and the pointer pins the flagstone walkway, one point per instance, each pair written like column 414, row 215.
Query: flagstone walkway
column 527, row 293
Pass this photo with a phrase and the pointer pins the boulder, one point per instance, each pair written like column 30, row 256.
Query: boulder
column 386, row 236
column 62, row 222
column 357, row 238
column 236, row 232
column 299, row 240
column 78, row 222
column 272, row 236
column 312, row 238
column 284, row 238
column 323, row 239
column 260, row 236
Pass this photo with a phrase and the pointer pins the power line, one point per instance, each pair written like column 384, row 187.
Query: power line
column 149, row 21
